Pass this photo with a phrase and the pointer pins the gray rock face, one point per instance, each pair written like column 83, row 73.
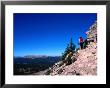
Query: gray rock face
column 92, row 33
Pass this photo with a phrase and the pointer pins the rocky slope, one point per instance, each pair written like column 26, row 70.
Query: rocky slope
column 84, row 62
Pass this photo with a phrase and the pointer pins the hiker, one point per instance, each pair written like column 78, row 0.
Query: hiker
column 86, row 42
column 81, row 42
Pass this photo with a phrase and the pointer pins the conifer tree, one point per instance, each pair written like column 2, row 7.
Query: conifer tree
column 70, row 48
column 67, row 49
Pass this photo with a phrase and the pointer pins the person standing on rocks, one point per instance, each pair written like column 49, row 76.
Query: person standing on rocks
column 81, row 42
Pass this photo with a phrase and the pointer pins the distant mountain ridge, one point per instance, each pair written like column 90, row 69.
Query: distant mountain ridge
column 38, row 56
column 33, row 62
column 34, row 56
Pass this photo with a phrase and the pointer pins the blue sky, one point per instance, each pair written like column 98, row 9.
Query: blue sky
column 49, row 33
